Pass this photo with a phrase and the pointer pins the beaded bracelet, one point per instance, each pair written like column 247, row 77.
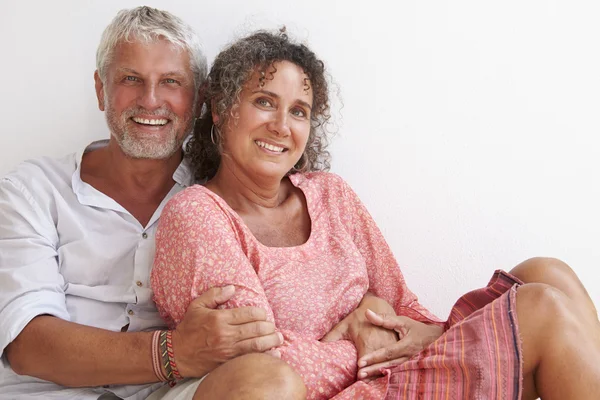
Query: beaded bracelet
column 164, row 357
column 171, row 354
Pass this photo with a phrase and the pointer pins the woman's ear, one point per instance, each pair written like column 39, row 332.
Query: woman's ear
column 200, row 101
column 215, row 116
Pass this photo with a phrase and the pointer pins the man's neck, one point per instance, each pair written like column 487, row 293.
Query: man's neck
column 139, row 185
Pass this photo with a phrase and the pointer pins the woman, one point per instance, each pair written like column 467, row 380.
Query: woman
column 299, row 243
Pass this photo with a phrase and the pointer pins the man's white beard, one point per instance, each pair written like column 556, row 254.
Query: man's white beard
column 144, row 144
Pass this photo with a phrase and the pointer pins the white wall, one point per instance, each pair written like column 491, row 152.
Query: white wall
column 469, row 128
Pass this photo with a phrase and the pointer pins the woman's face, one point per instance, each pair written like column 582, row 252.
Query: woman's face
column 269, row 131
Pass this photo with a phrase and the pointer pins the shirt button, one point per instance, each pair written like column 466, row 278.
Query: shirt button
column 140, row 284
column 145, row 235
column 130, row 312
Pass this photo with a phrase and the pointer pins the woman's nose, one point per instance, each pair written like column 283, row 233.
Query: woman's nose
column 279, row 124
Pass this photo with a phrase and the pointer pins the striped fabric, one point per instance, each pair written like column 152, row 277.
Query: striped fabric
column 478, row 357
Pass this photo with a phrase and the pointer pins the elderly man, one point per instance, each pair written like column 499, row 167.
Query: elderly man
column 77, row 244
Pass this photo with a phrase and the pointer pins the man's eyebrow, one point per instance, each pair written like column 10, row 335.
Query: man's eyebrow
column 275, row 95
column 175, row 73
column 128, row 70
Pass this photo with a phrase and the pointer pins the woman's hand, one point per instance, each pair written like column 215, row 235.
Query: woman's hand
column 414, row 337
column 366, row 336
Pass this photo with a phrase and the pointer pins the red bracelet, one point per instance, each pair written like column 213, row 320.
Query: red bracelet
column 164, row 358
column 176, row 373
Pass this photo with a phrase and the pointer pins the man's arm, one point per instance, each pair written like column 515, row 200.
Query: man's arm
column 39, row 340
column 75, row 355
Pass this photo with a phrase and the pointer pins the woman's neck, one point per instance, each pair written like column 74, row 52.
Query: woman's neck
column 245, row 194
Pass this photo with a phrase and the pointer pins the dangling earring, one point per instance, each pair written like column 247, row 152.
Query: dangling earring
column 212, row 135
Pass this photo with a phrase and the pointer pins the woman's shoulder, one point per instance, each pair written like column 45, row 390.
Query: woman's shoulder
column 319, row 179
column 196, row 202
column 191, row 194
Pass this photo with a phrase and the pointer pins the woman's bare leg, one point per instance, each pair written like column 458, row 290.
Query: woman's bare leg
column 556, row 273
column 560, row 348
column 250, row 377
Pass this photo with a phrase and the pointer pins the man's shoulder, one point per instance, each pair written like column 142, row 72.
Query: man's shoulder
column 43, row 171
column 41, row 176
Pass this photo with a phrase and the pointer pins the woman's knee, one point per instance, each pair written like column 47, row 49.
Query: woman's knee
column 559, row 275
column 541, row 301
column 539, row 269
column 545, row 318
column 253, row 376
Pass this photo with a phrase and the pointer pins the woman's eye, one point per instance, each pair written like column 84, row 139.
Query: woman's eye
column 298, row 112
column 263, row 102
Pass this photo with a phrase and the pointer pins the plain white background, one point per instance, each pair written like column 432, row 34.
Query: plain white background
column 469, row 128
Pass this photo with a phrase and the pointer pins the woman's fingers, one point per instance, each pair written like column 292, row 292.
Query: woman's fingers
column 374, row 371
column 387, row 321
column 398, row 350
column 339, row 332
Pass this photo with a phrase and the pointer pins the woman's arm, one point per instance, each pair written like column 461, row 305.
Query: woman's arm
column 416, row 326
column 197, row 248
column 385, row 277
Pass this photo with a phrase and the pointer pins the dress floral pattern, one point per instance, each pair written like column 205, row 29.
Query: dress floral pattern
column 306, row 289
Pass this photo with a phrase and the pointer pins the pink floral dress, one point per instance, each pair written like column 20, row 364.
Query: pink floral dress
column 202, row 243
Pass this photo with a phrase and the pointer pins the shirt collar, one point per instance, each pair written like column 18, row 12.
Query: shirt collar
column 88, row 195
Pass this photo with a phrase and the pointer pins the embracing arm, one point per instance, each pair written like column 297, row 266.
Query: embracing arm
column 76, row 355
column 39, row 340
column 35, row 332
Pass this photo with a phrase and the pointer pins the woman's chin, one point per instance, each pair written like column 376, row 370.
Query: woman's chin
column 274, row 172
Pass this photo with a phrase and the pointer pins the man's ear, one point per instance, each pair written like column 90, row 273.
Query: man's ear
column 99, row 90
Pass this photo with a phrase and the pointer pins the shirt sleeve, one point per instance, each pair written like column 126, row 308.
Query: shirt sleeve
column 30, row 282
column 197, row 248
column 385, row 277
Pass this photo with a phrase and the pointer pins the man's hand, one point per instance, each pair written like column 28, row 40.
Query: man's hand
column 207, row 337
column 414, row 337
column 355, row 327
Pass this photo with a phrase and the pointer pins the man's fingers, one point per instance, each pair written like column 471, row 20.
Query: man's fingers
column 374, row 371
column 259, row 344
column 214, row 297
column 255, row 329
column 274, row 352
column 244, row 315
column 337, row 333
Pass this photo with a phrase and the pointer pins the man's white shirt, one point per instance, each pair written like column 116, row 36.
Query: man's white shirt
column 68, row 250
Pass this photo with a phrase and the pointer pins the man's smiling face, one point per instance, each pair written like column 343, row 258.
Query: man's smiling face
column 149, row 98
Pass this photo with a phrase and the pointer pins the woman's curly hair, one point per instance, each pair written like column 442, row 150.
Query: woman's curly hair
column 232, row 68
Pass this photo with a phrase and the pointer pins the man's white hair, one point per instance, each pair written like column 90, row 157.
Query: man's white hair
column 148, row 25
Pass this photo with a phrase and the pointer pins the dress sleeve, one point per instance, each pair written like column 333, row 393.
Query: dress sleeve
column 30, row 281
column 197, row 248
column 385, row 278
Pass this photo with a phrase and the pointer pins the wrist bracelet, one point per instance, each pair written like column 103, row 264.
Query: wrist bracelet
column 156, row 357
column 171, row 354
column 164, row 357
